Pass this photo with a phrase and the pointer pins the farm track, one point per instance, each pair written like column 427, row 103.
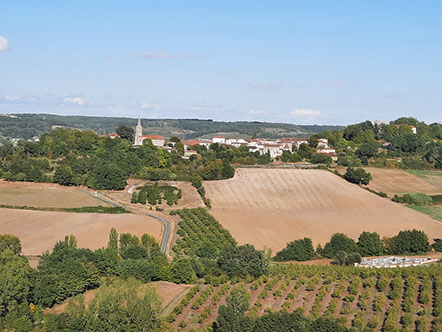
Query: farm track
column 166, row 233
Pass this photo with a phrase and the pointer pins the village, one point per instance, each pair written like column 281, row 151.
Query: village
column 272, row 147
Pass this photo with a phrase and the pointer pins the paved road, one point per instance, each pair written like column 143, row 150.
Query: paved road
column 166, row 224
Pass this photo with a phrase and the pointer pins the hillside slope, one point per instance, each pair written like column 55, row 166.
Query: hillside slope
column 271, row 207
column 28, row 125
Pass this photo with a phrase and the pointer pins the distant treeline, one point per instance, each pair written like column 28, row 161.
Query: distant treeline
column 28, row 125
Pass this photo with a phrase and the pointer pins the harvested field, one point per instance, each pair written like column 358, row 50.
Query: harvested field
column 397, row 181
column 271, row 207
column 190, row 197
column 45, row 195
column 40, row 230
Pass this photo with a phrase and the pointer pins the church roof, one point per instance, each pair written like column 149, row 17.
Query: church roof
column 152, row 136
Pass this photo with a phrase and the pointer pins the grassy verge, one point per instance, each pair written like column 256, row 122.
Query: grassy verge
column 85, row 209
column 422, row 173
column 434, row 211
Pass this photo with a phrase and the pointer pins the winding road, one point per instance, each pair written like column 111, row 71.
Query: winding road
column 166, row 224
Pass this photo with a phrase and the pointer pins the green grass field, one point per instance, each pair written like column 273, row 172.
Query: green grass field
column 434, row 211
column 421, row 173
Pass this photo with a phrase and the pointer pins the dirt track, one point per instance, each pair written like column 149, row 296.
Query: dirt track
column 270, row 207
column 39, row 230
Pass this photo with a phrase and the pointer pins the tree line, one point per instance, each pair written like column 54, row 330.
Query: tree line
column 345, row 251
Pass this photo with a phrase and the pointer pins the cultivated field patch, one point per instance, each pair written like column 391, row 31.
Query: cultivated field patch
column 40, row 230
column 271, row 207
column 378, row 299
column 397, row 181
column 48, row 196
column 190, row 197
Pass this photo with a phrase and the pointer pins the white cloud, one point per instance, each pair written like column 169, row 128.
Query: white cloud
column 305, row 114
column 163, row 55
column 75, row 100
column 4, row 44
column 258, row 112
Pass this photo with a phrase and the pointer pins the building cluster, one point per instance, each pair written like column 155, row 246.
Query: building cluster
column 273, row 147
column 394, row 262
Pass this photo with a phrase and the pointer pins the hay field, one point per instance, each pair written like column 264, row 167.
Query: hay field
column 397, row 181
column 40, row 230
column 270, row 207
column 45, row 195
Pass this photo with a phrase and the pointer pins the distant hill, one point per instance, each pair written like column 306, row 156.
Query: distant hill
column 29, row 125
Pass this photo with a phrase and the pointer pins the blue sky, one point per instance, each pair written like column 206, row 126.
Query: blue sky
column 304, row 62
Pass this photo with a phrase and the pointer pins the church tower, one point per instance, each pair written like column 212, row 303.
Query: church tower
column 138, row 133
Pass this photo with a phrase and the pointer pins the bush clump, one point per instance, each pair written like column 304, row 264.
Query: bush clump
column 419, row 199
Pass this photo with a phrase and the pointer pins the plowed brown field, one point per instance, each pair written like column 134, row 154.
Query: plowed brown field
column 40, row 230
column 396, row 181
column 270, row 207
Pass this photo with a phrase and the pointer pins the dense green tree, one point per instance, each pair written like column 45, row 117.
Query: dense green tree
column 231, row 317
column 183, row 272
column 15, row 281
column 369, row 149
column 339, row 242
column 105, row 175
column 298, row 250
column 126, row 132
column 64, row 176
column 358, row 176
column 242, row 261
column 119, row 306
column 305, row 151
column 343, row 258
column 410, row 242
column 370, row 244
column 10, row 242
column 320, row 158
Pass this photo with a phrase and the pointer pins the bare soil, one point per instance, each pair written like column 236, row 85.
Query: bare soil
column 271, row 207
column 40, row 230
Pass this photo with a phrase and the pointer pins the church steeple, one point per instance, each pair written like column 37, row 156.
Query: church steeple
column 138, row 132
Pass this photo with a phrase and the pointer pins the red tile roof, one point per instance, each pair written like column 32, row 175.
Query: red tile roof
column 152, row 137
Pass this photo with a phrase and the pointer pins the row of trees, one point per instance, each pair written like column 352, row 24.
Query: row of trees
column 232, row 317
column 346, row 251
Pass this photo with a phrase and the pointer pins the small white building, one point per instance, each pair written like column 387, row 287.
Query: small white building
column 219, row 139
